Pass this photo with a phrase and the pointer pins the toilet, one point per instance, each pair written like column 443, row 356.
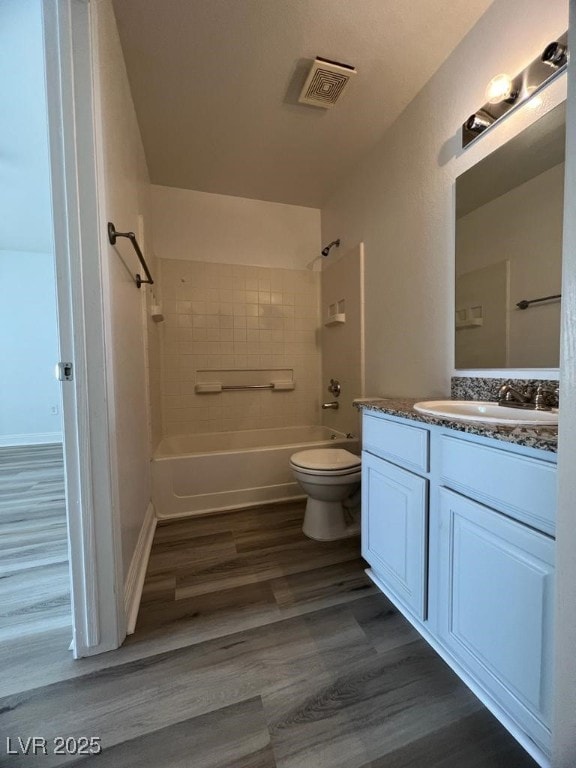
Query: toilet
column 330, row 477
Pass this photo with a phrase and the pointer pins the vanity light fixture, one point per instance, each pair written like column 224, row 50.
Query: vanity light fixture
column 478, row 122
column 500, row 88
column 555, row 55
column 534, row 102
column 505, row 93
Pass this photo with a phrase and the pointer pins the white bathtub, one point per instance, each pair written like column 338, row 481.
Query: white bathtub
column 198, row 474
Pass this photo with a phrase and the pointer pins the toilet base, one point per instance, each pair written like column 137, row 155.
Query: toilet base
column 325, row 521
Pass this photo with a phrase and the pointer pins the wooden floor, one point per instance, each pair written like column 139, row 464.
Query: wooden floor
column 34, row 579
column 255, row 648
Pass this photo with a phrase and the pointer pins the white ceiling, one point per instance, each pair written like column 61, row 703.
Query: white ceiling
column 215, row 85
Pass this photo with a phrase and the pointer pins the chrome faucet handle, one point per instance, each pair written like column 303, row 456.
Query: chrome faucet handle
column 334, row 387
column 544, row 398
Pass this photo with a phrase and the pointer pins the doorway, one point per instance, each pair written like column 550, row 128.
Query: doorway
column 34, row 562
column 56, row 211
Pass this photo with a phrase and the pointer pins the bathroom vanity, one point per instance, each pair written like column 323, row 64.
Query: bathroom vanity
column 458, row 528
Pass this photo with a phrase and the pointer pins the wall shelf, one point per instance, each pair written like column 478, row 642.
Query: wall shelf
column 470, row 317
column 472, row 322
column 337, row 319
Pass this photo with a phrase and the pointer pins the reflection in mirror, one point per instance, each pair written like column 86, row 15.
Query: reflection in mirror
column 509, row 248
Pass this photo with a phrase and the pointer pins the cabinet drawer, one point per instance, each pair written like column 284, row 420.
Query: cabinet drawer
column 397, row 442
column 520, row 486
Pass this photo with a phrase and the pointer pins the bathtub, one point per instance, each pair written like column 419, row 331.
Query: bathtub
column 203, row 473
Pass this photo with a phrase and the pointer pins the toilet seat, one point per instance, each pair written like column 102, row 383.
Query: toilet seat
column 326, row 473
column 326, row 461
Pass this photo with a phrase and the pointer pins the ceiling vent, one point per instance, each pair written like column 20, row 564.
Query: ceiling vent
column 325, row 82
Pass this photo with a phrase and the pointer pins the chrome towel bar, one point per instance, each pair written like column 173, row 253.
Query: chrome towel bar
column 113, row 234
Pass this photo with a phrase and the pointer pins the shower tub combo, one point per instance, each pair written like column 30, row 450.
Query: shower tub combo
column 203, row 473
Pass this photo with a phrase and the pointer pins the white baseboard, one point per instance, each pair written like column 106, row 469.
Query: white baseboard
column 37, row 438
column 137, row 571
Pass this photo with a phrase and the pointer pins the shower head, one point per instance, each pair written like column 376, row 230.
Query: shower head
column 326, row 250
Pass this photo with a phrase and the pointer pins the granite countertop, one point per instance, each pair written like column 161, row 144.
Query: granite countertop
column 545, row 437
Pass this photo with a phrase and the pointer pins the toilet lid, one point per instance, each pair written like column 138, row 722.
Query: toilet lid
column 326, row 459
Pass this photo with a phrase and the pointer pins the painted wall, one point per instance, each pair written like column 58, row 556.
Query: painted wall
column 526, row 225
column 234, row 230
column 28, row 350
column 26, row 221
column 29, row 393
column 400, row 200
column 126, row 199
column 343, row 344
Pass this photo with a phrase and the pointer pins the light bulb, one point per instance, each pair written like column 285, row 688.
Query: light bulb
column 499, row 89
column 478, row 122
column 533, row 102
column 555, row 55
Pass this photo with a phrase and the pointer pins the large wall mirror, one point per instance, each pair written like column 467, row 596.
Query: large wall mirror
column 509, row 249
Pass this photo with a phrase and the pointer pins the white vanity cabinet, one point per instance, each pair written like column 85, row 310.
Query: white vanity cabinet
column 495, row 607
column 395, row 532
column 458, row 531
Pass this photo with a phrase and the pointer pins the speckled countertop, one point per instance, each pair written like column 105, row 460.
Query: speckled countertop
column 545, row 438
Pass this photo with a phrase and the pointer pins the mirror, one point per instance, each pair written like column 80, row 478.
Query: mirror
column 509, row 210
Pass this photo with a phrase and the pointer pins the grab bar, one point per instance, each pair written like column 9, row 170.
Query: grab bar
column 525, row 303
column 247, row 386
column 205, row 387
column 113, row 234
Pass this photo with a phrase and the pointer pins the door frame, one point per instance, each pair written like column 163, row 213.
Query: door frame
column 96, row 572
column 564, row 727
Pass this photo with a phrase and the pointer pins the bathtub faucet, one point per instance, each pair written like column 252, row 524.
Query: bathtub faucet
column 334, row 405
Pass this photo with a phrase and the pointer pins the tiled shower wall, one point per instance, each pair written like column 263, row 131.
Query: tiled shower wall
column 224, row 316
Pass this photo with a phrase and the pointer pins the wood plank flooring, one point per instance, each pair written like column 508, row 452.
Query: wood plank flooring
column 255, row 648
column 34, row 578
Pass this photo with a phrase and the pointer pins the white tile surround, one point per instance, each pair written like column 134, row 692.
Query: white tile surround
column 226, row 316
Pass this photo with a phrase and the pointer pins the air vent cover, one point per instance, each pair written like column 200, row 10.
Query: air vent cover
column 325, row 82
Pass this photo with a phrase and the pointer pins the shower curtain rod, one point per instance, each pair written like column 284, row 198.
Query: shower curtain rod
column 525, row 303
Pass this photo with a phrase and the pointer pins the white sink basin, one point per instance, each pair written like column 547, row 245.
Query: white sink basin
column 487, row 412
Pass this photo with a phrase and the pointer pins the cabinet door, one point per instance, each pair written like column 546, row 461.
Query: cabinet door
column 495, row 607
column 394, row 529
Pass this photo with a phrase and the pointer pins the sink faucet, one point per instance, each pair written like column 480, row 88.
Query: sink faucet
column 514, row 398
